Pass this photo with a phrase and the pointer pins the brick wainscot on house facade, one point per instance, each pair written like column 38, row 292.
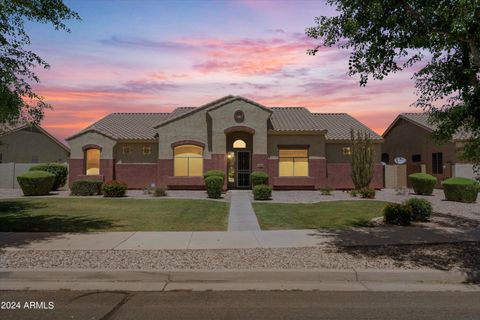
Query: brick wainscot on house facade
column 297, row 148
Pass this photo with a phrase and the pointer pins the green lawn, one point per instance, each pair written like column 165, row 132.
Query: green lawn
column 80, row 215
column 328, row 214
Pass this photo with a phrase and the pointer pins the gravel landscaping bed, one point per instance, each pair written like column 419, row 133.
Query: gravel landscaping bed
column 136, row 194
column 439, row 204
column 440, row 256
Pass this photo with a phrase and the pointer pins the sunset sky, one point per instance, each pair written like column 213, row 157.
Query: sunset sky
column 153, row 56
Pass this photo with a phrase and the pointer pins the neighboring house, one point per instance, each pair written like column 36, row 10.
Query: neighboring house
column 298, row 149
column 30, row 144
column 409, row 136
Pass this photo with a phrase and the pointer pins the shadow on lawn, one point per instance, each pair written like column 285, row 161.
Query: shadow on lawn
column 434, row 248
column 15, row 217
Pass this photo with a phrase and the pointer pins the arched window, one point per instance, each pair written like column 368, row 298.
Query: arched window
column 92, row 161
column 188, row 161
column 239, row 144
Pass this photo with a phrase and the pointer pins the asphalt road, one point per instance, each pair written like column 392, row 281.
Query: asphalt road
column 243, row 305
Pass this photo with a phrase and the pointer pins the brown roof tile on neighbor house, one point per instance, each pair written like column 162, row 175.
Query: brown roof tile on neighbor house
column 293, row 119
column 127, row 126
column 422, row 119
column 338, row 126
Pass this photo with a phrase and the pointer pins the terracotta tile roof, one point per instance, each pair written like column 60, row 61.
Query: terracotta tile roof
column 293, row 119
column 338, row 126
column 422, row 120
column 127, row 126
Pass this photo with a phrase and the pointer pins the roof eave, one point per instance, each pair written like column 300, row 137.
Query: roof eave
column 90, row 130
column 287, row 132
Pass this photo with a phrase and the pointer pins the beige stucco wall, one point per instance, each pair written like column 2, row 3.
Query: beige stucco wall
column 195, row 127
column 136, row 153
column 20, row 146
column 77, row 143
column 316, row 143
column 335, row 154
column 192, row 127
column 255, row 118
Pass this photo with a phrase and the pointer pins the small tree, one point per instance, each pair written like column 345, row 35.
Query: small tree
column 362, row 153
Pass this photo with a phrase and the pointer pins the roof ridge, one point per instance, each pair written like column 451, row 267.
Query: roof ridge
column 331, row 113
column 288, row 107
column 138, row 113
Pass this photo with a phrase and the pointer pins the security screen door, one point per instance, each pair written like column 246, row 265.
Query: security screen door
column 243, row 169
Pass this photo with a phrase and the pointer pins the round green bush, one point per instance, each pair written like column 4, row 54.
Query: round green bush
column 259, row 177
column 399, row 214
column 114, row 189
column 59, row 170
column 262, row 192
column 461, row 189
column 86, row 188
column 421, row 208
column 214, row 185
column 36, row 183
column 422, row 183
column 216, row 173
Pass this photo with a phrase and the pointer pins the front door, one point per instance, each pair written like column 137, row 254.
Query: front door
column 243, row 169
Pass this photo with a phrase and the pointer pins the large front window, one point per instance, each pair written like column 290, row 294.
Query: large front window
column 188, row 161
column 293, row 163
column 92, row 157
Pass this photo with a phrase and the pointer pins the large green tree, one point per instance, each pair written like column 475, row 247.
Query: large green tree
column 18, row 101
column 441, row 37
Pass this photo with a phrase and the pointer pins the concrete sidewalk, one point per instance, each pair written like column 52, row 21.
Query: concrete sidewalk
column 233, row 239
column 241, row 216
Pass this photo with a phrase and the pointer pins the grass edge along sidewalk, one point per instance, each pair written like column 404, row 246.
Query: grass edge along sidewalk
column 87, row 215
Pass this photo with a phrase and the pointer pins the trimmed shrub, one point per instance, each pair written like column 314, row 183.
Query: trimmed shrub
column 160, row 192
column 36, row 183
column 326, row 191
column 399, row 214
column 422, row 183
column 59, row 170
column 259, row 177
column 214, row 185
column 461, row 189
column 86, row 188
column 114, row 189
column 421, row 208
column 212, row 173
column 262, row 192
column 366, row 193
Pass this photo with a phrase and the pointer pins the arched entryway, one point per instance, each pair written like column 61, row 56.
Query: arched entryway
column 239, row 159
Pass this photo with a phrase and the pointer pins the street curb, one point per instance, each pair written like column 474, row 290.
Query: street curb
column 267, row 276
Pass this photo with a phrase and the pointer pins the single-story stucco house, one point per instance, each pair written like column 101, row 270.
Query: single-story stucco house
column 409, row 137
column 25, row 143
column 297, row 148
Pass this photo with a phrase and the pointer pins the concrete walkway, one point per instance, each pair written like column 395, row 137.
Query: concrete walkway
column 241, row 216
column 232, row 239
